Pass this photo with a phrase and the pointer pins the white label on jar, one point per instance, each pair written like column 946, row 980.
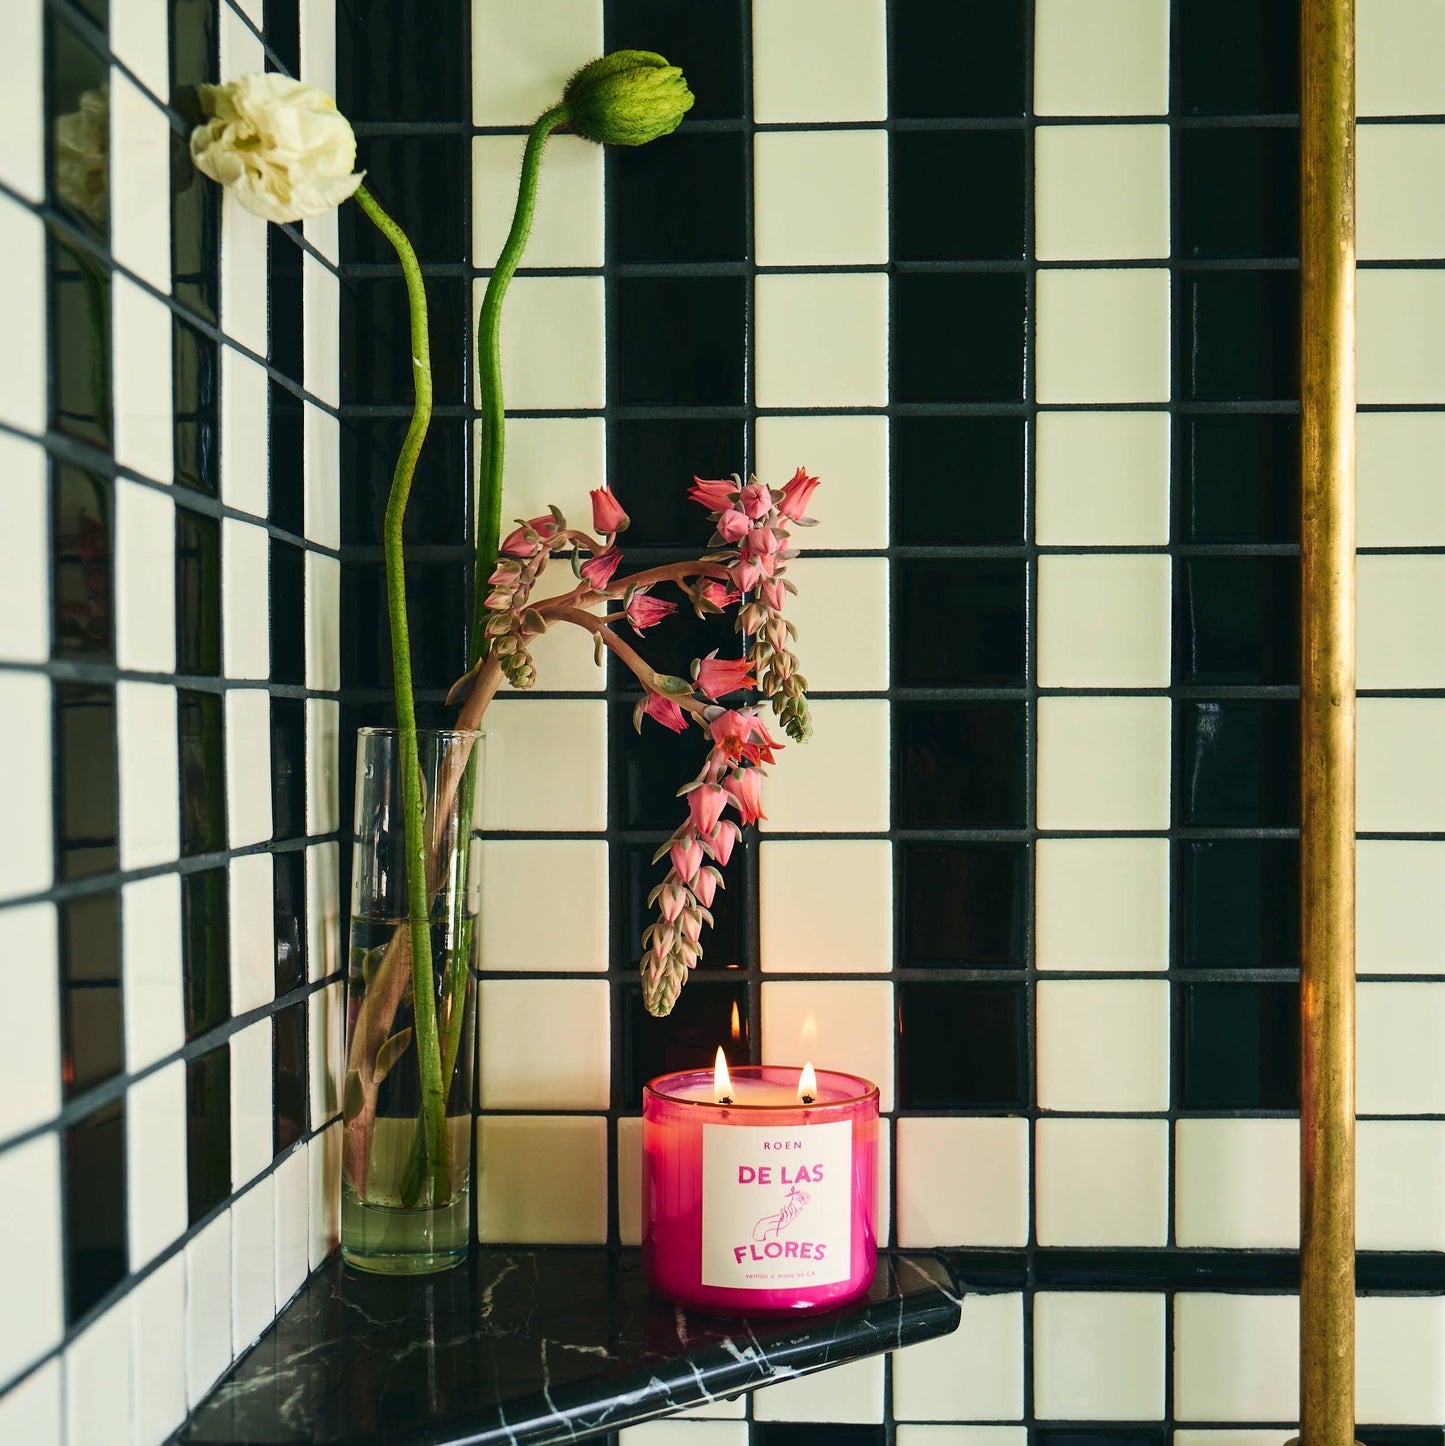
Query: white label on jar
column 776, row 1205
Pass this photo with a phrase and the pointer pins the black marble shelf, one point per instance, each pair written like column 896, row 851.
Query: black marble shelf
column 552, row 1344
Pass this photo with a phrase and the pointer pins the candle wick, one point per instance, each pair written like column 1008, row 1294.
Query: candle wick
column 808, row 1099
column 725, row 1099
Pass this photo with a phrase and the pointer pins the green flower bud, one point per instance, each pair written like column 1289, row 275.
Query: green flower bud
column 626, row 98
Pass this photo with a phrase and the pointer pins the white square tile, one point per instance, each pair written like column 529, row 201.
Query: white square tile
column 850, row 740
column 151, row 953
column 253, row 1261
column 159, row 1343
column 323, row 622
column 841, row 614
column 546, row 764
column 99, row 1381
column 243, row 269
column 797, row 79
column 1098, row 1356
column 141, row 380
column 553, row 343
column 149, row 768
column 250, row 1104
column 248, row 765
column 1398, row 218
column 30, row 1063
column 145, row 546
column 253, row 933
column 1076, row 308
column 1101, row 193
column 542, row 1179
column 1103, row 763
column 245, row 599
column 1400, row 1179
column 1236, row 1357
column 628, row 1164
column 1103, row 1044
column 822, row 340
column 826, row 906
column 523, row 54
column 140, row 182
column 1103, row 477
column 1102, row 904
column 1101, row 57
column 318, row 43
column 321, row 339
column 24, row 551
column 323, row 911
column 559, row 460
column 1401, row 1070
column 576, row 937
column 322, row 763
column 568, row 1067
column 1102, row 1182
column 977, row 1372
column 155, row 1137
column 1400, row 1360
column 1399, row 766
column 1400, row 639
column 324, row 231
column 325, row 1016
column 850, row 455
column 733, row 1410
column 1399, row 475
column 564, row 654
column 32, row 1411
column 1104, row 621
column 323, row 1168
column 962, row 1436
column 30, row 1248
column 240, row 45
column 22, row 294
column 1401, row 58
column 1400, row 345
column 849, row 1024
column 668, row 1433
column 968, row 1182
column 851, row 1392
column 208, row 1331
column 567, row 224
column 245, row 423
column 22, row 110
column 321, row 447
column 1237, row 1184
column 292, row 1240
column 139, row 36
column 820, row 198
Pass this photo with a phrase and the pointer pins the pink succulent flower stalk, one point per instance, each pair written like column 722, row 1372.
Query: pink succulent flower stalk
column 598, row 570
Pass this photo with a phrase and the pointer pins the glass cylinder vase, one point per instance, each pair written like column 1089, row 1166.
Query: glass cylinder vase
column 406, row 1152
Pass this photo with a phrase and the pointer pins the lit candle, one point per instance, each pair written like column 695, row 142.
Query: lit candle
column 760, row 1187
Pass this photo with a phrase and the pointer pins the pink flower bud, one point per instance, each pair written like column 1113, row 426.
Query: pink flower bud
column 597, row 571
column 715, row 676
column 686, row 856
column 720, row 842
column 746, row 573
column 746, row 789
column 706, row 804
column 644, row 610
column 720, row 595
column 607, row 513
column 773, row 595
column 670, row 900
column 733, row 525
column 704, row 886
column 715, row 496
column 797, row 494
column 755, row 500
column 665, row 711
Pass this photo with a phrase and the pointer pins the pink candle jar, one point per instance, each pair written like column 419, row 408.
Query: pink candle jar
column 759, row 1189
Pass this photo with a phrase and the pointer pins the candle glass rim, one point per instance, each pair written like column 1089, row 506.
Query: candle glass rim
column 753, row 1071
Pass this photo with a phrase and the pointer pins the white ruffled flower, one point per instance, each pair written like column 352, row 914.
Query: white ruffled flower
column 278, row 145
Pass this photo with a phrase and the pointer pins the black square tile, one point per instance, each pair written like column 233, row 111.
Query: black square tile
column 203, row 771
column 653, row 765
column 1239, row 191
column 1240, row 1047
column 94, row 1215
column 1242, row 330
column 195, row 235
column 1101, row 1436
column 90, row 982
column 1239, row 57
column 1237, row 620
column 672, row 645
column 205, row 949
column 197, row 400
column 980, row 220
column 286, row 312
column 1241, row 478
column 705, row 40
column 286, row 460
column 288, row 1077
column 436, row 595
column 651, row 464
column 376, row 340
column 403, row 62
column 958, row 480
column 934, row 314
column 1240, row 764
column 283, row 37
column 947, row 59
column 961, row 622
column 288, row 768
column 198, row 594
column 961, row 765
column 87, row 781
column 808, row 1433
column 77, row 162
column 679, row 340
column 208, row 1132
column 80, row 371
column 288, row 888
column 707, row 1014
column 965, row 905
column 193, row 41
column 1239, row 901
column 82, row 563
column 704, row 218
column 288, row 605
column 722, row 945
column 436, row 510
column 962, row 1046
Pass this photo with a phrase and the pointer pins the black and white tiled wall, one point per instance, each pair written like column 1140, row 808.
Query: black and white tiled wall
column 169, row 675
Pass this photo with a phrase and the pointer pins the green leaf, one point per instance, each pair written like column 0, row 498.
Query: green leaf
column 390, row 1052
column 353, row 1097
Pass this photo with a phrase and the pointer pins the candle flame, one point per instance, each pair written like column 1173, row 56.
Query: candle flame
column 808, row 1084
column 722, row 1084
column 737, row 1024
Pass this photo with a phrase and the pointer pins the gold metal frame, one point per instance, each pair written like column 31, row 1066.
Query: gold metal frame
column 1327, row 719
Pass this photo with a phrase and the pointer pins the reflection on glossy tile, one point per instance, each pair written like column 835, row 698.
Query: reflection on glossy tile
column 1240, row 764
column 369, row 449
column 1240, row 1047
column 705, row 181
column 1239, row 57
column 87, row 822
column 285, row 453
column 931, row 312
column 1240, row 904
column 961, row 622
column 196, row 400
column 950, row 60
column 205, row 949
column 1241, row 478
column 1240, row 191
column 208, row 1131
column 288, row 639
column 1242, row 335
column 80, row 382
column 679, row 340
column 195, row 223
column 198, row 593
column 722, row 943
column 655, row 763
column 964, row 904
column 982, row 222
column 289, row 900
column 203, row 779
column 962, row 765
column 78, row 108
column 288, row 767
column 90, row 983
column 82, row 586
column 375, row 350
column 1238, row 622
column 688, row 1038
column 961, row 1046
column 958, row 479
column 414, row 178
column 94, row 1216
column 436, row 610
column 650, row 464
column 286, row 313
column 389, row 68
column 289, row 1074
column 704, row 40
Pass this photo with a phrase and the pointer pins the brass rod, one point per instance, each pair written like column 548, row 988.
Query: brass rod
column 1327, row 723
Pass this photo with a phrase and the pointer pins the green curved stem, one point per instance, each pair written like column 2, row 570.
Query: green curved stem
column 423, row 988
column 489, row 370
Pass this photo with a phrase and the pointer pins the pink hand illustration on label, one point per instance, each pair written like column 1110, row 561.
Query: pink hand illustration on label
column 770, row 1226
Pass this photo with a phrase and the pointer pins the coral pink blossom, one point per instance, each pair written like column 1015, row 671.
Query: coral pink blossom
column 720, row 595
column 747, row 791
column 597, row 571
column 706, row 803
column 686, row 856
column 665, row 711
column 704, row 886
column 720, row 842
column 773, row 594
column 517, row 544
column 715, row 496
column 733, row 525
column 644, row 610
column 746, row 573
column 715, row 676
column 607, row 513
column 797, row 494
column 755, row 500
column 742, row 737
